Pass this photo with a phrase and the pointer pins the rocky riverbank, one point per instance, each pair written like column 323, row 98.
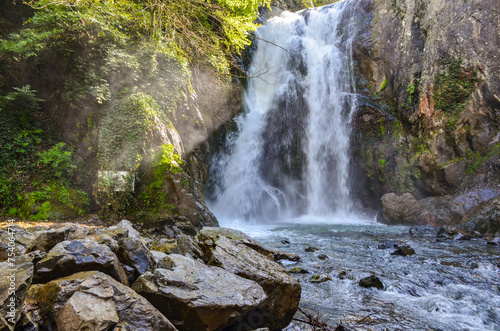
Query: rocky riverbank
column 75, row 276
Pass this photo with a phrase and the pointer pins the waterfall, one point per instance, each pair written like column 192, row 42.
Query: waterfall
column 290, row 154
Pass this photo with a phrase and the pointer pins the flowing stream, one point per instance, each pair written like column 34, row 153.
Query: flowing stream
column 283, row 178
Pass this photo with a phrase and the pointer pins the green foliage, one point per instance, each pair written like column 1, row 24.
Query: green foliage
column 59, row 160
column 155, row 197
column 412, row 89
column 384, row 84
column 167, row 161
column 208, row 32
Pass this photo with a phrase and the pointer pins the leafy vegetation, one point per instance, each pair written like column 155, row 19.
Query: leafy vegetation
column 113, row 73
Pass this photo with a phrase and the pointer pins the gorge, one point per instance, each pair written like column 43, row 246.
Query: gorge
column 359, row 142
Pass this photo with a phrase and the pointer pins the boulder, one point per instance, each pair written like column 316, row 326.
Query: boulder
column 85, row 311
column 47, row 239
column 211, row 234
column 371, row 281
column 15, row 279
column 298, row 270
column 184, row 244
column 403, row 250
column 487, row 220
column 311, row 249
column 122, row 230
column 92, row 299
column 13, row 240
column 69, row 257
column 278, row 256
column 452, row 233
column 400, row 209
column 320, row 278
column 282, row 290
column 134, row 253
column 198, row 297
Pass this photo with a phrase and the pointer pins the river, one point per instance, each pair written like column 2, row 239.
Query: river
column 283, row 178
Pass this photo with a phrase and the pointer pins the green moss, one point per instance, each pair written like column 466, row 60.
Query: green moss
column 452, row 89
column 46, row 296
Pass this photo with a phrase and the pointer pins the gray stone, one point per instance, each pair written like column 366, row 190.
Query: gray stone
column 69, row 257
column 371, row 281
column 197, row 297
column 85, row 311
column 400, row 209
column 15, row 279
column 282, row 290
column 133, row 311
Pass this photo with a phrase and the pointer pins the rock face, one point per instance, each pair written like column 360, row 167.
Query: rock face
column 402, row 209
column 282, row 290
column 69, row 257
column 429, row 117
column 188, row 296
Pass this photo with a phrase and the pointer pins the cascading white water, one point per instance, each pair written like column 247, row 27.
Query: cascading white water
column 290, row 155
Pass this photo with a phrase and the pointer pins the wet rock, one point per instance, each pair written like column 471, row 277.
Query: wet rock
column 494, row 242
column 388, row 243
column 278, row 255
column 323, row 257
column 403, row 250
column 164, row 245
column 122, row 230
column 104, row 239
column 342, row 274
column 285, row 242
column 49, row 301
column 198, row 297
column 298, row 270
column 130, row 272
column 400, row 209
column 69, row 257
column 282, row 290
column 134, row 253
column 186, row 245
column 320, row 278
column 311, row 249
column 85, row 311
column 15, row 279
column 452, row 233
column 371, row 281
column 485, row 221
column 47, row 239
column 212, row 234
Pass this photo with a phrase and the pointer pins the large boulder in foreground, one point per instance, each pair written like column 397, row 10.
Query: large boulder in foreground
column 69, row 257
column 400, row 209
column 282, row 290
column 92, row 300
column 194, row 296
